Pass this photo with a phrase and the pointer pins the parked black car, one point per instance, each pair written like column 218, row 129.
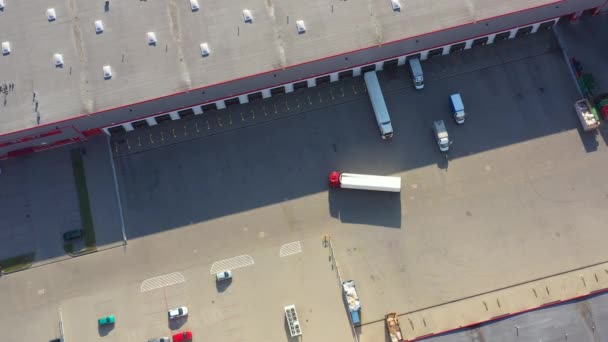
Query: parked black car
column 73, row 235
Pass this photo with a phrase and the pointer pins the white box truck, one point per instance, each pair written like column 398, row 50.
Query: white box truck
column 416, row 73
column 380, row 111
column 441, row 135
column 364, row 182
column 457, row 108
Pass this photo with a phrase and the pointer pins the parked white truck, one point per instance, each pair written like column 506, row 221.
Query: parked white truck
column 441, row 135
column 364, row 182
column 375, row 95
column 416, row 73
column 457, row 108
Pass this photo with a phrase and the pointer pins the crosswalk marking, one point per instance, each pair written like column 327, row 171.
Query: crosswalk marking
column 232, row 263
column 290, row 248
column 162, row 281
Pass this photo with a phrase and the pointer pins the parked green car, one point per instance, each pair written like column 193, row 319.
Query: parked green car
column 106, row 320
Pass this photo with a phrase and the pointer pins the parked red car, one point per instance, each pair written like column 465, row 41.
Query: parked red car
column 182, row 336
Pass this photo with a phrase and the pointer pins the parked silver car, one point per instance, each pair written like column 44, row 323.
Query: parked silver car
column 159, row 339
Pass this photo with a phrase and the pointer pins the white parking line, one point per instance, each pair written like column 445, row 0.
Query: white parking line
column 162, row 281
column 290, row 248
column 232, row 263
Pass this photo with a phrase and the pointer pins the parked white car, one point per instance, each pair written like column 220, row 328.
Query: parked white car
column 178, row 312
column 223, row 275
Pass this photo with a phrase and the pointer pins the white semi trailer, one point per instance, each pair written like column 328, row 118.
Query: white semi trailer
column 364, row 182
column 377, row 99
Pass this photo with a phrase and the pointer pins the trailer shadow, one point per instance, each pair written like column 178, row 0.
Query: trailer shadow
column 374, row 208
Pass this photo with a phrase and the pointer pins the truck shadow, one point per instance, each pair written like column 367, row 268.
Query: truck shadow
column 374, row 208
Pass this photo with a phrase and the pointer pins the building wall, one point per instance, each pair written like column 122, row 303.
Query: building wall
column 79, row 128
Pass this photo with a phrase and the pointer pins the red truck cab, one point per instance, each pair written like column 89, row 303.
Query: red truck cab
column 334, row 179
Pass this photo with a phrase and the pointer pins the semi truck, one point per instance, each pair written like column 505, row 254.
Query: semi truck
column 393, row 327
column 441, row 135
column 416, row 73
column 589, row 120
column 457, row 108
column 364, row 182
column 352, row 301
column 375, row 95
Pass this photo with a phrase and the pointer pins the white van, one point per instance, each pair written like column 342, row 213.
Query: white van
column 416, row 73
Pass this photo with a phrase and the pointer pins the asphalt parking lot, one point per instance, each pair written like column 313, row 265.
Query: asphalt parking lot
column 248, row 307
column 520, row 197
column 508, row 192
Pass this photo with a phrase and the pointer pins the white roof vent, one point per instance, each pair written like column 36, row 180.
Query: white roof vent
column 107, row 72
column 247, row 16
column 6, row 48
column 301, row 27
column 58, row 58
column 151, row 38
column 2, row 5
column 98, row 26
column 50, row 14
column 194, row 5
column 396, row 5
column 205, row 50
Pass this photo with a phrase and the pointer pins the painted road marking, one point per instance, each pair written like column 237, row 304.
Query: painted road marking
column 290, row 249
column 162, row 281
column 232, row 263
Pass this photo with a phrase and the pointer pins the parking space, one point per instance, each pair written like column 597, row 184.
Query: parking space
column 249, row 306
column 237, row 116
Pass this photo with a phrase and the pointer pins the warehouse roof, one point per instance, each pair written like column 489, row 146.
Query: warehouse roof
column 81, row 57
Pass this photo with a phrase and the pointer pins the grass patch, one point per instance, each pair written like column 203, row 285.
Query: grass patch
column 18, row 263
column 68, row 247
column 83, row 198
